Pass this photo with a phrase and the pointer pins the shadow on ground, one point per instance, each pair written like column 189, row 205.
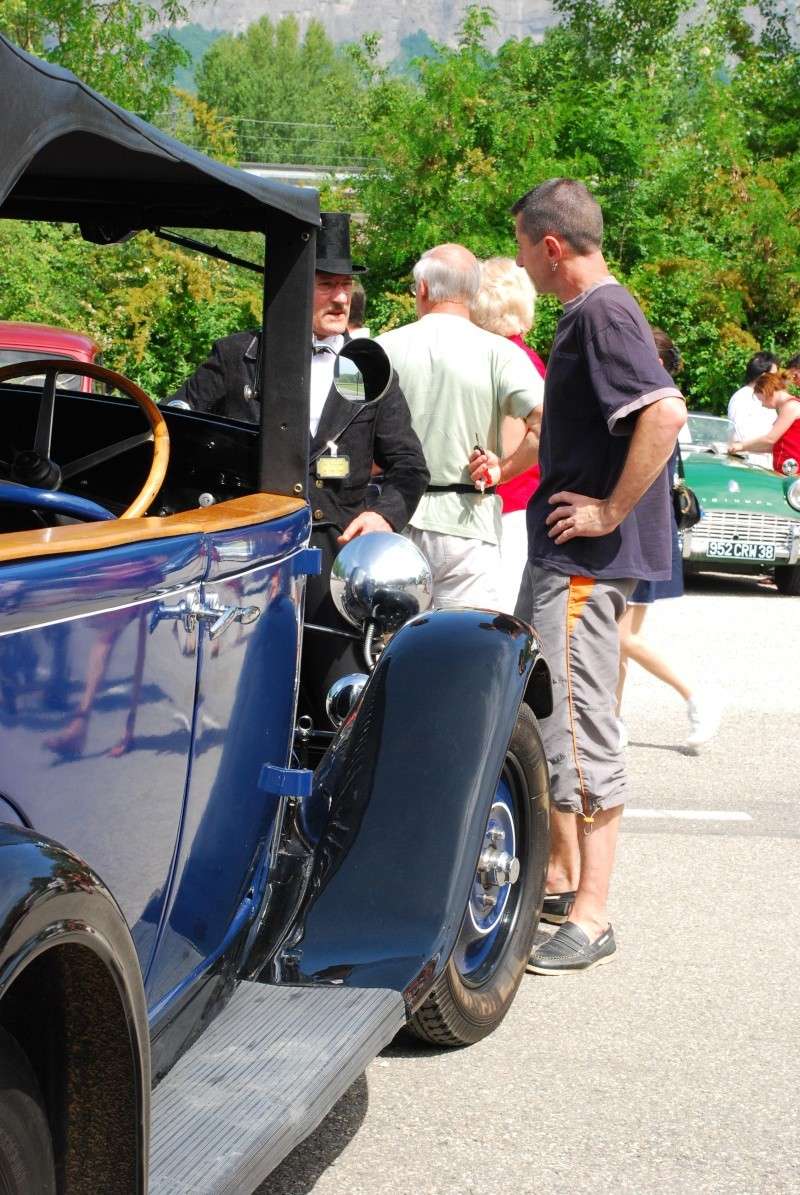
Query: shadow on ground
column 676, row 749
column 298, row 1173
column 731, row 584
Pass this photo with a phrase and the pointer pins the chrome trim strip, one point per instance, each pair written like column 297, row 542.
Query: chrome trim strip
column 54, row 622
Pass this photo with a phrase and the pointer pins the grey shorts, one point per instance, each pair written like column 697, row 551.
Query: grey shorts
column 576, row 619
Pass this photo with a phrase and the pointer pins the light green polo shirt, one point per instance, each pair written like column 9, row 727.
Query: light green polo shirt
column 459, row 382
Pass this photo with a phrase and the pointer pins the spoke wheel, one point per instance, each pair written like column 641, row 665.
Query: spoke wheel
column 477, row 987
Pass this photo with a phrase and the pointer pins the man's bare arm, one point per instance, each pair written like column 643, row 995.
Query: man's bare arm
column 487, row 466
column 651, row 446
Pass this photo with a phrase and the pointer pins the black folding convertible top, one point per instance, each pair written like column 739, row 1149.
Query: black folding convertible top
column 67, row 153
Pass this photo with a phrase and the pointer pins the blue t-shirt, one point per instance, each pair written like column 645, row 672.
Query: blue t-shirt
column 602, row 371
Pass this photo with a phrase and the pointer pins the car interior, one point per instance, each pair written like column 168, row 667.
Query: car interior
column 97, row 447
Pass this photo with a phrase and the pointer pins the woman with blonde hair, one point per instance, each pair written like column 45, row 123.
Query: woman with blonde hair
column 504, row 305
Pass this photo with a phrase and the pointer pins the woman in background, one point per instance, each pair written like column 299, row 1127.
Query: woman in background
column 783, row 438
column 505, row 305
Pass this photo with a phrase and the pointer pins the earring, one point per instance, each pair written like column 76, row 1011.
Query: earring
column 553, row 267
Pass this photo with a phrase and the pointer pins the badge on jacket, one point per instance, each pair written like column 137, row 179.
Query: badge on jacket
column 332, row 466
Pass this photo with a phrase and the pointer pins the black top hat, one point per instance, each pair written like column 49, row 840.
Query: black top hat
column 333, row 245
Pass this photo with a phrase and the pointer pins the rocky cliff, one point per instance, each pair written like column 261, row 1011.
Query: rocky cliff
column 347, row 20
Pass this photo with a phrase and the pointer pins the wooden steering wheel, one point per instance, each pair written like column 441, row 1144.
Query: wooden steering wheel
column 38, row 462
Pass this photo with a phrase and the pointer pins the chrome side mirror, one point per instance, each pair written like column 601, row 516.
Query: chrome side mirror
column 363, row 371
column 343, row 695
column 381, row 579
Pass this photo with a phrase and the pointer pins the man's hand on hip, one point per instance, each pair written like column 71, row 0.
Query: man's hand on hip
column 576, row 515
column 368, row 520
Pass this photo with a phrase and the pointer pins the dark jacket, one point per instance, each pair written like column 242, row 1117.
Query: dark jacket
column 379, row 432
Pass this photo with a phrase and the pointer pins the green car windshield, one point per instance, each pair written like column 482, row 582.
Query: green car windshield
column 706, row 431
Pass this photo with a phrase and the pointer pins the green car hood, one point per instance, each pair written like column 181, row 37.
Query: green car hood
column 727, row 483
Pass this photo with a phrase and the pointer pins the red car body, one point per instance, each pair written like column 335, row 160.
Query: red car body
column 24, row 342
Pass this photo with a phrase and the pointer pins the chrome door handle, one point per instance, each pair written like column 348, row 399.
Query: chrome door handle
column 185, row 611
column 192, row 610
column 222, row 620
column 222, row 617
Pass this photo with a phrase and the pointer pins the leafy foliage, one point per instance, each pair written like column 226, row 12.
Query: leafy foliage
column 683, row 121
column 196, row 123
column 195, row 40
column 685, row 128
column 270, row 74
column 154, row 309
column 104, row 42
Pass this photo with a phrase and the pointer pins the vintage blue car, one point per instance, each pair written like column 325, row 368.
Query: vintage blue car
column 210, row 917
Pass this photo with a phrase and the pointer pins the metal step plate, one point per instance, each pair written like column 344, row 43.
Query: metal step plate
column 259, row 1080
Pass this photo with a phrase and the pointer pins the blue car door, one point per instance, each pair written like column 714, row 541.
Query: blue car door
column 97, row 707
column 248, row 647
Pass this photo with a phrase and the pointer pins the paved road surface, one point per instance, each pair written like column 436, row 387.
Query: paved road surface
column 675, row 1069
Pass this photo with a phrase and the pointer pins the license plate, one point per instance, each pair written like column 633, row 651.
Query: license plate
column 732, row 549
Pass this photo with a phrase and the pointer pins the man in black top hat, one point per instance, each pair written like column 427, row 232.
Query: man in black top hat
column 378, row 432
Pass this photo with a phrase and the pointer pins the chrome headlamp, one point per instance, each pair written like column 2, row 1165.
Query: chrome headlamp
column 793, row 494
column 381, row 578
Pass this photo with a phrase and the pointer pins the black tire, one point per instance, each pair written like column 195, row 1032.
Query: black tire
column 787, row 579
column 458, row 1013
column 26, row 1147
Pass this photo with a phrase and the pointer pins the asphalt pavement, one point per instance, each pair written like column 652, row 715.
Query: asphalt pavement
column 675, row 1068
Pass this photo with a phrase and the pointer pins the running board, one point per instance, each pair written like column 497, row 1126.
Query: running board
column 259, row 1080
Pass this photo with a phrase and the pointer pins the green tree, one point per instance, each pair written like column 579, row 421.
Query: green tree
column 196, row 123
column 154, row 309
column 683, row 121
column 277, row 82
column 664, row 113
column 106, row 43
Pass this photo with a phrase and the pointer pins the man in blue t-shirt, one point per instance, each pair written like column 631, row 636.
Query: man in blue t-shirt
column 600, row 521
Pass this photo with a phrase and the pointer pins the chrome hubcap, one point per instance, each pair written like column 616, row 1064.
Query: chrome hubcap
column 498, row 869
column 490, row 912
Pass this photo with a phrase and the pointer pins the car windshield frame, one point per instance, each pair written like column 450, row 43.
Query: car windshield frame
column 65, row 381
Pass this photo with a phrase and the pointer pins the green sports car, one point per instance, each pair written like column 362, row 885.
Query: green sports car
column 751, row 515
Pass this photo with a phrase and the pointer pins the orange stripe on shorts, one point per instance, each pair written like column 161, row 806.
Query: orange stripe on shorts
column 580, row 590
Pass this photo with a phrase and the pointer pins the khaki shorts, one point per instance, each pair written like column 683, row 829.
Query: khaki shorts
column 465, row 571
column 576, row 619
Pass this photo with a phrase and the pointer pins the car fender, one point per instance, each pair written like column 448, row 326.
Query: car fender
column 51, row 902
column 409, row 782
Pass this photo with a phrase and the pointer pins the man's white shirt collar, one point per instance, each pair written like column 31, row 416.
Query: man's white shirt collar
column 322, row 367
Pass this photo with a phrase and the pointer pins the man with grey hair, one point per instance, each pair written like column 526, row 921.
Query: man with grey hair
column 600, row 520
column 459, row 381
